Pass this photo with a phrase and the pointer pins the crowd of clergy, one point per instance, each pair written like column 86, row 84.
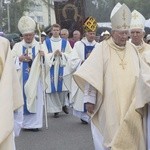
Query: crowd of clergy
column 104, row 82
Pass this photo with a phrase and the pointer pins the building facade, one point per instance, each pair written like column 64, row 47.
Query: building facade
column 41, row 13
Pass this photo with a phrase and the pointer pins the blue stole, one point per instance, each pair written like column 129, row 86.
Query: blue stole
column 60, row 70
column 25, row 72
column 87, row 50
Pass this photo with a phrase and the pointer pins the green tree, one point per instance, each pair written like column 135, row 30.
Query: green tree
column 105, row 7
column 141, row 6
column 16, row 10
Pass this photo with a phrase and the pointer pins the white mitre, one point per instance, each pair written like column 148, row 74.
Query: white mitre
column 137, row 20
column 120, row 17
column 102, row 33
column 106, row 33
column 148, row 37
column 43, row 33
column 26, row 25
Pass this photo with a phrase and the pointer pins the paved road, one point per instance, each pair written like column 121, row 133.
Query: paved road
column 64, row 133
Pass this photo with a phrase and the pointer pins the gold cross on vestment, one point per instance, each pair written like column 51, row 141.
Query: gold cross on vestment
column 124, row 15
column 123, row 64
column 125, row 25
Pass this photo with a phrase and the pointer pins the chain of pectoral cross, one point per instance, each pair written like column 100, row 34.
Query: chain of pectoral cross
column 122, row 63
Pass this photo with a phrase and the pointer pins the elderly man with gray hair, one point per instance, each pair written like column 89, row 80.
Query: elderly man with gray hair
column 137, row 35
column 64, row 33
column 112, row 79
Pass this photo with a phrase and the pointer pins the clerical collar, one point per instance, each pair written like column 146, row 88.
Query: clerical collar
column 140, row 47
column 114, row 45
column 55, row 39
column 28, row 45
column 84, row 40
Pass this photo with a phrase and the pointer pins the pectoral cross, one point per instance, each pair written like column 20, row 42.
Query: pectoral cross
column 123, row 64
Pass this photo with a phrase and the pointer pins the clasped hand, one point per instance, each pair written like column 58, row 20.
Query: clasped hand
column 41, row 53
column 57, row 53
column 90, row 108
column 25, row 58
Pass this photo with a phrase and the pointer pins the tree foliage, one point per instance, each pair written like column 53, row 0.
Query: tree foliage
column 16, row 10
column 102, row 14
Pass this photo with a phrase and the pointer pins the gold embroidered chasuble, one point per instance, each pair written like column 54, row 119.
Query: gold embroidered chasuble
column 115, row 116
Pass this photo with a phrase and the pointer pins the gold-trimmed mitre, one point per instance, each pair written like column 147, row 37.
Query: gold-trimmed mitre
column 26, row 25
column 137, row 20
column 90, row 24
column 120, row 17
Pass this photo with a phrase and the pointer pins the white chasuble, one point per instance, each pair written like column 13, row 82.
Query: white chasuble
column 79, row 54
column 113, row 71
column 57, row 74
column 11, row 98
column 33, row 106
column 144, row 52
column 56, row 62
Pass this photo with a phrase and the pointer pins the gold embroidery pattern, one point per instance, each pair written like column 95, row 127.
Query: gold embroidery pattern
column 124, row 25
column 124, row 15
column 135, row 16
column 90, row 24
